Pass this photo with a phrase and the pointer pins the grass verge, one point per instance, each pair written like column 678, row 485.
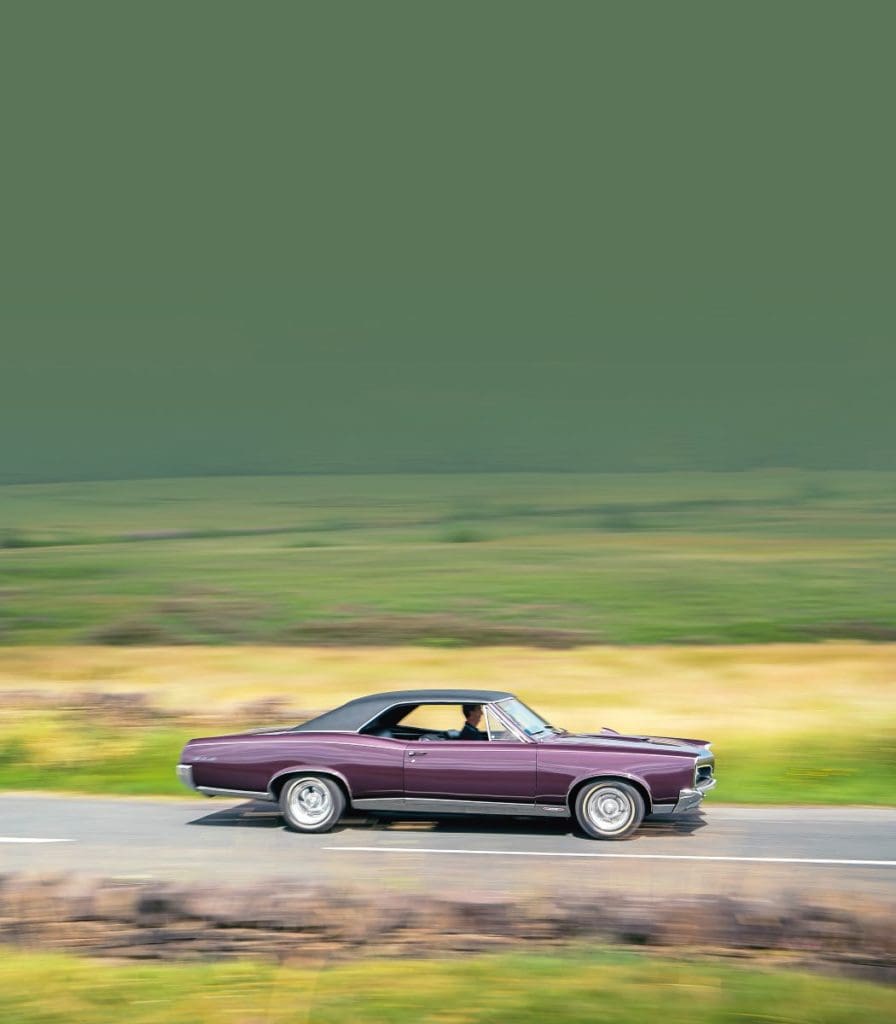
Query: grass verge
column 609, row 986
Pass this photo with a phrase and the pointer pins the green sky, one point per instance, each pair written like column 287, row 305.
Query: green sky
column 376, row 236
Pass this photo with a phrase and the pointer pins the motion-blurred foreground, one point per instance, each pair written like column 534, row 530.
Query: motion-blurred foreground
column 144, row 920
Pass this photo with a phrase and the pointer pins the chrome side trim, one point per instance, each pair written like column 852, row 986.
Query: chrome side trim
column 430, row 806
column 185, row 775
column 246, row 794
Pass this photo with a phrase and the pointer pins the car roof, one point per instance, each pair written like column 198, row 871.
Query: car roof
column 357, row 713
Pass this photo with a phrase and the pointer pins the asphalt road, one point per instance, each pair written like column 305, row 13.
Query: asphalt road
column 745, row 851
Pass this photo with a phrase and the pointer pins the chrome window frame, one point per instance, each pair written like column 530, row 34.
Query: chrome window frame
column 511, row 723
column 494, row 718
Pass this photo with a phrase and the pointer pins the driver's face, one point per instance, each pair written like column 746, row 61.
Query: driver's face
column 475, row 716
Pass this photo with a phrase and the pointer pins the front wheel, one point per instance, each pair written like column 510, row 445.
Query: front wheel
column 609, row 809
column 311, row 803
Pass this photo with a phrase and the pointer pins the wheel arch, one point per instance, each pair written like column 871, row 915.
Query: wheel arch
column 279, row 780
column 632, row 780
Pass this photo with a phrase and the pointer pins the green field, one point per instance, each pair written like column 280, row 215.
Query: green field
column 608, row 986
column 543, row 560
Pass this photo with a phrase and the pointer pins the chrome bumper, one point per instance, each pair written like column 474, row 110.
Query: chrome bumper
column 688, row 800
column 185, row 775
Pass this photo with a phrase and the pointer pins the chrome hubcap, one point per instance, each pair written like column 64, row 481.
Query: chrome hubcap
column 309, row 801
column 609, row 809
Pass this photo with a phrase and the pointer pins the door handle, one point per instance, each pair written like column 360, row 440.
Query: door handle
column 417, row 753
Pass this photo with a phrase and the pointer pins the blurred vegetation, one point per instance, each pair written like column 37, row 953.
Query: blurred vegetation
column 73, row 754
column 546, row 560
column 580, row 987
column 789, row 724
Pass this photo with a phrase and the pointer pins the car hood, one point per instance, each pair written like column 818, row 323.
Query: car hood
column 610, row 739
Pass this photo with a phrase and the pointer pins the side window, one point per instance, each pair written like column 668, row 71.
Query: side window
column 435, row 717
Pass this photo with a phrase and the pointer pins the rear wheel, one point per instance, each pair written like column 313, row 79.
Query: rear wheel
column 311, row 803
column 609, row 809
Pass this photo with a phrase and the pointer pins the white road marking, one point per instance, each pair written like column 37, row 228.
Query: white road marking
column 619, row 856
column 28, row 839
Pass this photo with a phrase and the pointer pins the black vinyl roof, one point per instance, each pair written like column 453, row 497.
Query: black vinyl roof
column 357, row 713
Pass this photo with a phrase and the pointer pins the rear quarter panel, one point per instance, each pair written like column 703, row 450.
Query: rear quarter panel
column 372, row 766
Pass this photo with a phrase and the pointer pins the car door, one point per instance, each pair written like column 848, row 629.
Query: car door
column 500, row 770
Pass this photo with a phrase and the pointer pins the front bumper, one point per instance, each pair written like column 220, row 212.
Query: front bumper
column 688, row 800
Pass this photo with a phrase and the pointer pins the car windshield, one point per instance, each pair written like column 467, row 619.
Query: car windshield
column 527, row 720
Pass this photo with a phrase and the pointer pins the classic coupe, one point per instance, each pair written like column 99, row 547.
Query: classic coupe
column 422, row 752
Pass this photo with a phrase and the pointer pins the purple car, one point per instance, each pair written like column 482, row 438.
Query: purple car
column 423, row 752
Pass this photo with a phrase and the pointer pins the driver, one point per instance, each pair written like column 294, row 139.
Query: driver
column 472, row 718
